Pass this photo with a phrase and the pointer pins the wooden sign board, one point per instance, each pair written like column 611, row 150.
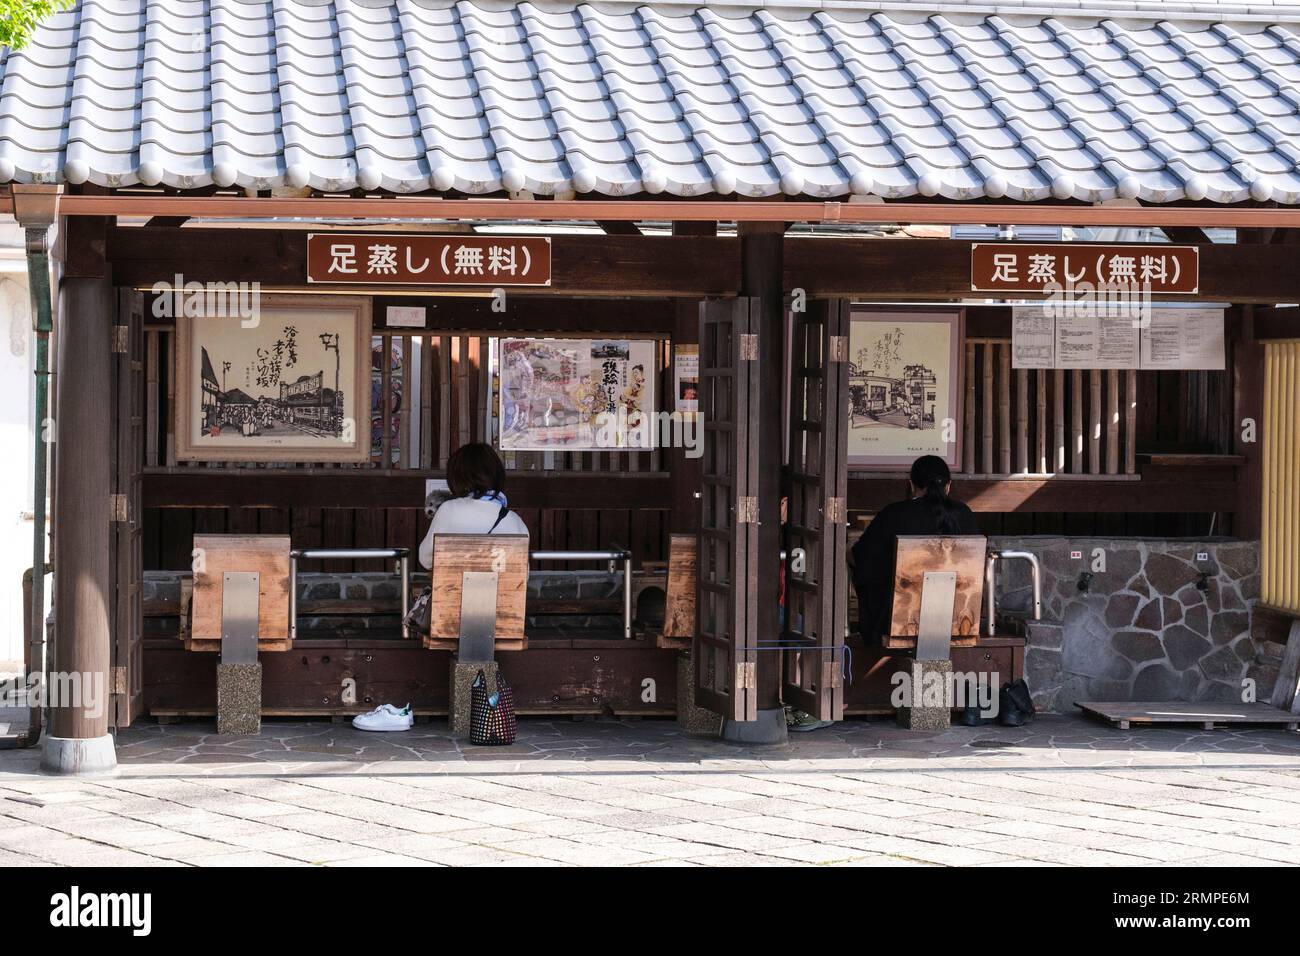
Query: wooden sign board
column 268, row 555
column 917, row 554
column 409, row 259
column 453, row 555
column 683, row 564
column 1035, row 266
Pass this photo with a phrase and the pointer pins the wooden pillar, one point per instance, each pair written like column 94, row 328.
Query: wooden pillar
column 1248, row 402
column 79, row 740
column 761, row 268
column 684, row 470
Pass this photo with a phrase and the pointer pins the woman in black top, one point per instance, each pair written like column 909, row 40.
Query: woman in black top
column 928, row 511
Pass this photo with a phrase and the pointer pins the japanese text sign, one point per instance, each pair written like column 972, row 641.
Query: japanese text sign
column 374, row 259
column 1051, row 267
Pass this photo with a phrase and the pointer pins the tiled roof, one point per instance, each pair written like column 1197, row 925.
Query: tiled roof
column 822, row 99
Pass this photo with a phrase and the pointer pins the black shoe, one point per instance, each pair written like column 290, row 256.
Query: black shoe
column 1012, row 718
column 971, row 716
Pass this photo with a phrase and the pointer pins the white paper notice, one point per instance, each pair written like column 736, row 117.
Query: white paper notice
column 1033, row 337
column 405, row 317
column 1096, row 342
column 1183, row 339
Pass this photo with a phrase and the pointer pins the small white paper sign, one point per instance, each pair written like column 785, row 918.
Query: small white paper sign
column 1184, row 338
column 405, row 317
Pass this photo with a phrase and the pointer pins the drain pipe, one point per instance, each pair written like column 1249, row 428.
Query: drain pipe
column 35, row 208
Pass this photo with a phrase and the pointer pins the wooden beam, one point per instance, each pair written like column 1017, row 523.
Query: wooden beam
column 940, row 269
column 166, row 222
column 619, row 227
column 1175, row 494
column 581, row 265
column 589, row 210
column 1186, row 235
column 334, row 488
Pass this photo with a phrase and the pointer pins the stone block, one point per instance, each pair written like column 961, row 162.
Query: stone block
column 925, row 714
column 1157, row 682
column 1168, row 575
column 1227, row 626
column 239, row 699
column 693, row 720
column 458, row 699
column 1138, row 646
column 1120, row 610
column 1184, row 646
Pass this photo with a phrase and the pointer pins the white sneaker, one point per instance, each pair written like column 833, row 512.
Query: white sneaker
column 385, row 717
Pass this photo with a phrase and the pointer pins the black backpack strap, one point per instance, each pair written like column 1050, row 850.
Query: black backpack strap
column 500, row 518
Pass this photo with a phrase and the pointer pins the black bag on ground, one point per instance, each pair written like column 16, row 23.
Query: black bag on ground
column 1015, row 704
column 492, row 720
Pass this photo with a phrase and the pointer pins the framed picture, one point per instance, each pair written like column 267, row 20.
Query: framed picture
column 577, row 394
column 289, row 383
column 904, row 388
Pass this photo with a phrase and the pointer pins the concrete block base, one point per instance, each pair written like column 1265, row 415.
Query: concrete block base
column 462, row 679
column 90, row 757
column 929, row 696
column 693, row 720
column 239, row 699
column 768, row 729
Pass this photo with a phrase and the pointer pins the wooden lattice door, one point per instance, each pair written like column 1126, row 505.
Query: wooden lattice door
column 128, row 568
column 816, row 588
column 725, row 643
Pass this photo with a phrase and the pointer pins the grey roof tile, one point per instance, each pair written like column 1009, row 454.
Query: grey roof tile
column 1022, row 99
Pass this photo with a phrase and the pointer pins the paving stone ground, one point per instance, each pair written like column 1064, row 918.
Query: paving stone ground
column 1063, row 791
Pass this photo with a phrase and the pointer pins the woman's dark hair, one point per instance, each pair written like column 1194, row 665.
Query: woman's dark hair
column 475, row 470
column 930, row 476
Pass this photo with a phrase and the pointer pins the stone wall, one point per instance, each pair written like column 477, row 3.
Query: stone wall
column 1154, row 624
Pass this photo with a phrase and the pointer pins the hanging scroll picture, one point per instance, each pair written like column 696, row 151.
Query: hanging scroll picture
column 283, row 384
column 904, row 383
column 577, row 394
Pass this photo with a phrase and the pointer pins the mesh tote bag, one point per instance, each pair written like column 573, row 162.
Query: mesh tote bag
column 492, row 715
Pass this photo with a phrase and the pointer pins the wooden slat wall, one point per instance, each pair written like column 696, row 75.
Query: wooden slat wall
column 1043, row 421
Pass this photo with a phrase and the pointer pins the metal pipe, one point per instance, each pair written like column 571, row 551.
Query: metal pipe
column 404, row 569
column 293, row 595
column 611, row 556
column 990, row 577
column 403, row 556
column 1035, row 575
column 358, row 554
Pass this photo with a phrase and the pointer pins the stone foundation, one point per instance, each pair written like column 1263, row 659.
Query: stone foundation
column 1154, row 623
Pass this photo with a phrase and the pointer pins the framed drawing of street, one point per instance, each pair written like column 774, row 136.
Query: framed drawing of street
column 905, row 385
column 288, row 382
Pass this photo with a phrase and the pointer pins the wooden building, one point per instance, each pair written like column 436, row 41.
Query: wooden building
column 742, row 181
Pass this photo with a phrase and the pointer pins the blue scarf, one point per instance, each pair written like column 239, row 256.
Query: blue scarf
column 497, row 497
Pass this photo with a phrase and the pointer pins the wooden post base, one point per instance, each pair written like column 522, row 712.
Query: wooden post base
column 239, row 699
column 929, row 703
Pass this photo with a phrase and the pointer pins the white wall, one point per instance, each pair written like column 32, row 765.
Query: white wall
column 17, row 393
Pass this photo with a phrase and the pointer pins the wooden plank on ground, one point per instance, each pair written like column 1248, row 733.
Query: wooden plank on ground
column 1126, row 714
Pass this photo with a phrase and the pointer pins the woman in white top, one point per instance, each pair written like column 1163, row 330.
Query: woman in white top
column 478, row 504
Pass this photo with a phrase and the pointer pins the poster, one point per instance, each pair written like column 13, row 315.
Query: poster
column 686, row 378
column 1091, row 341
column 1033, row 337
column 285, row 387
column 1183, row 338
column 1175, row 337
column 577, row 394
column 904, row 383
